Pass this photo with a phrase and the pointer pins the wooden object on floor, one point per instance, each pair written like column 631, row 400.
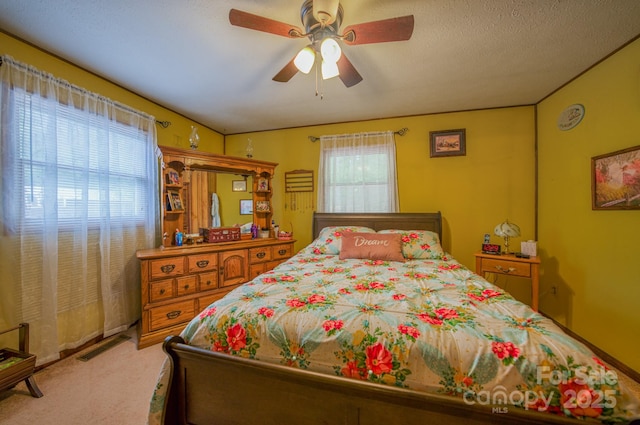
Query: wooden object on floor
column 178, row 282
column 21, row 364
column 511, row 265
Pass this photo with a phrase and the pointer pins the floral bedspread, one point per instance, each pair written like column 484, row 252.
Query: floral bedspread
column 430, row 325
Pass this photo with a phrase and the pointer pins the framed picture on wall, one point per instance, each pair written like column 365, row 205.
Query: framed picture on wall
column 246, row 206
column 615, row 180
column 448, row 143
column 239, row 185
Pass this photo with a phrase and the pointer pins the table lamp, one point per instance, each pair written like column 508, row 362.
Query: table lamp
column 507, row 230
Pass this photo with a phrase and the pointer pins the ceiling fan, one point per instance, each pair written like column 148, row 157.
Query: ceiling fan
column 321, row 20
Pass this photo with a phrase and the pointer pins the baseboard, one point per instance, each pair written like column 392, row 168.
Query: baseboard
column 606, row 357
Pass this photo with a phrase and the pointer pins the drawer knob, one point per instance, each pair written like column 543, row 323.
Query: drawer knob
column 162, row 291
column 208, row 282
column 282, row 251
column 261, row 254
column 186, row 286
column 168, row 268
column 202, row 263
column 503, row 270
column 173, row 314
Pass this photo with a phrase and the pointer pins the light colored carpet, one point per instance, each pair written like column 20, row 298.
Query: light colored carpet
column 113, row 388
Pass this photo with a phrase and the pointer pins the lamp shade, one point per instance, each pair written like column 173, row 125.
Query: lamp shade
column 330, row 50
column 304, row 59
column 507, row 229
column 329, row 70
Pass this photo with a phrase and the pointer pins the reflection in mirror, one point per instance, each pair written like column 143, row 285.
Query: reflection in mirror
column 204, row 212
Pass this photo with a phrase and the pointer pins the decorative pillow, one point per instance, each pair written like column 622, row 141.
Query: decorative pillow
column 419, row 244
column 372, row 246
column 329, row 241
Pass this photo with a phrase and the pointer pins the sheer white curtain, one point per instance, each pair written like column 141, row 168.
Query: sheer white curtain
column 357, row 173
column 79, row 190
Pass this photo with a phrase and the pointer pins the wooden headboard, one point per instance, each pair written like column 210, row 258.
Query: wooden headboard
column 380, row 221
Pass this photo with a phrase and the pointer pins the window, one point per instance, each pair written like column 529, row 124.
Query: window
column 79, row 185
column 358, row 173
column 106, row 177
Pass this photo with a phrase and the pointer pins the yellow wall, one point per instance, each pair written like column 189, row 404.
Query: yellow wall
column 591, row 256
column 494, row 181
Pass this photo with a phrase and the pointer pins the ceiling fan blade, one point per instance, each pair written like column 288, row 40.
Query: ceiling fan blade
column 393, row 29
column 287, row 72
column 260, row 23
column 348, row 74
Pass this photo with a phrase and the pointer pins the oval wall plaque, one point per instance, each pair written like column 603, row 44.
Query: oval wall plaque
column 571, row 117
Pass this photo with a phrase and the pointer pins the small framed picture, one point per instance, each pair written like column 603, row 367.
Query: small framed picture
column 263, row 185
column 246, row 206
column 239, row 185
column 172, row 176
column 263, row 206
column 448, row 143
column 175, row 200
column 615, row 180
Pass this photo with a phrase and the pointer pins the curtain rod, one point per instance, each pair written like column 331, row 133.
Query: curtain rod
column 43, row 74
column 400, row 132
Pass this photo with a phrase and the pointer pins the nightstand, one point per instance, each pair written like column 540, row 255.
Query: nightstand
column 511, row 265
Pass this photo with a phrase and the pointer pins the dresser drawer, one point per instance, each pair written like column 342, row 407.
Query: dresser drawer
column 512, row 268
column 281, row 251
column 208, row 281
column 172, row 314
column 202, row 262
column 258, row 255
column 203, row 302
column 186, row 285
column 167, row 267
column 161, row 290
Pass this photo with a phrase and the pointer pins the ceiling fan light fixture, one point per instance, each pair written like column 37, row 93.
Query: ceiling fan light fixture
column 329, row 70
column 304, row 59
column 330, row 50
column 325, row 11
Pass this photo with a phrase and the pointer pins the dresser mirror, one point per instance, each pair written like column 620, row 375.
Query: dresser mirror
column 188, row 199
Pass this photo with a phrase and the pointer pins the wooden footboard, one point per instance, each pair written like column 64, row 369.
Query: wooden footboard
column 214, row 388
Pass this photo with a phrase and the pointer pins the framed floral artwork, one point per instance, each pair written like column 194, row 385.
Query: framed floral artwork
column 615, row 180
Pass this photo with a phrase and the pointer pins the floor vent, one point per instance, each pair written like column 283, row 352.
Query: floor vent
column 104, row 347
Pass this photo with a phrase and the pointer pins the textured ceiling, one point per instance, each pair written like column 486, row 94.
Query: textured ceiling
column 464, row 54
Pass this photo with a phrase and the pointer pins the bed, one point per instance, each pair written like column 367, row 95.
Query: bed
column 374, row 322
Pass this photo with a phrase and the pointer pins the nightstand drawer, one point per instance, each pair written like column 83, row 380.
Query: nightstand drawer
column 512, row 268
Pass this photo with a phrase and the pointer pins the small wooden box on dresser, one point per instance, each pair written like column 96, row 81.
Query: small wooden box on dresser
column 177, row 283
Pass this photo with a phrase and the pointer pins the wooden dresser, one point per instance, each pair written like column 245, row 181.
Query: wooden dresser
column 178, row 282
